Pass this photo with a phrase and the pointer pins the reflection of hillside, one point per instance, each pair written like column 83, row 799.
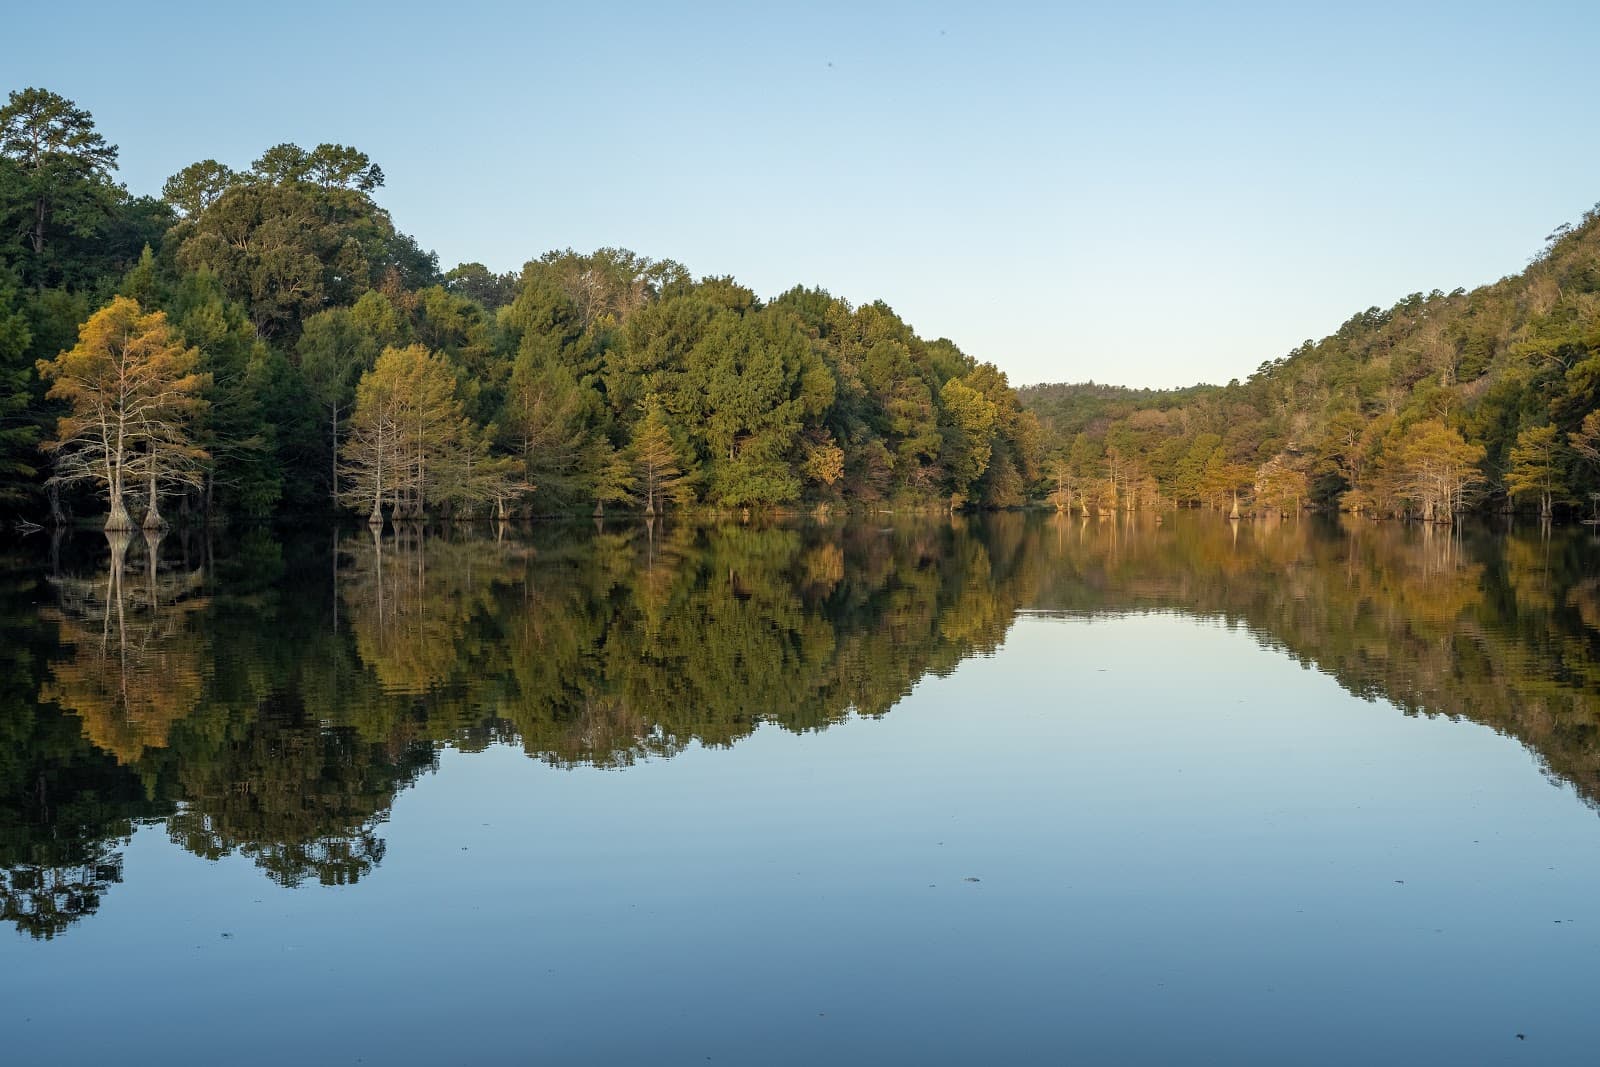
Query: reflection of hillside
column 1485, row 627
column 270, row 712
column 274, row 705
column 636, row 640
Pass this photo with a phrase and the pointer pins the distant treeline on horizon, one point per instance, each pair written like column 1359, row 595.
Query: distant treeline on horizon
column 267, row 341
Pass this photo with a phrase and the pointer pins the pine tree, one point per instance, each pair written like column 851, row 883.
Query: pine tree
column 657, row 462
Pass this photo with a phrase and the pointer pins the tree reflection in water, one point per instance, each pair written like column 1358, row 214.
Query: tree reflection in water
column 257, row 708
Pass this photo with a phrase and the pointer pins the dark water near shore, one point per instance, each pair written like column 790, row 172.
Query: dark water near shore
column 1000, row 789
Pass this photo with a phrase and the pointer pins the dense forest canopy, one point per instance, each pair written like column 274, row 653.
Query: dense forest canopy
column 266, row 339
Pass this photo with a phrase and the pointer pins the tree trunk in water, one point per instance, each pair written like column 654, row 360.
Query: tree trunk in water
column 375, row 520
column 152, row 517
column 119, row 519
column 1234, row 514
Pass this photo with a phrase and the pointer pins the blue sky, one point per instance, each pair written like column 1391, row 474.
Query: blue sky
column 1148, row 194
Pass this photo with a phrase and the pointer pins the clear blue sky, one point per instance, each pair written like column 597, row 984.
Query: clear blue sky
column 1149, row 194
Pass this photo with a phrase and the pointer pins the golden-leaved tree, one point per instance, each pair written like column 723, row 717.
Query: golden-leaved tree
column 133, row 395
column 1441, row 469
column 411, row 444
column 1280, row 486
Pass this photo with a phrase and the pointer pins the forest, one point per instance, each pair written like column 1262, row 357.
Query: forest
column 1441, row 404
column 266, row 341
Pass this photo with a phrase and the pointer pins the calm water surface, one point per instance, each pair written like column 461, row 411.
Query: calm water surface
column 1011, row 789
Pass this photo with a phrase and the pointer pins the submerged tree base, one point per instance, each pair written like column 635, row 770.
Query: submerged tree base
column 119, row 519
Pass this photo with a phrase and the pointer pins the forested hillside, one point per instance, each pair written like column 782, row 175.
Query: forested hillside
column 1443, row 402
column 267, row 340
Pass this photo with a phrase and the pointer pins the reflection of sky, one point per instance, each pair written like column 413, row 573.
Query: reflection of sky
column 1183, row 842
column 1157, row 193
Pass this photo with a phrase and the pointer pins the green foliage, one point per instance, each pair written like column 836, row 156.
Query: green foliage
column 196, row 187
column 19, row 425
column 1536, row 466
column 476, row 282
column 582, row 378
column 58, row 202
column 1471, row 374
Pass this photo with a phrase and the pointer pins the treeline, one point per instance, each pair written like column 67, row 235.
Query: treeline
column 266, row 340
column 1443, row 403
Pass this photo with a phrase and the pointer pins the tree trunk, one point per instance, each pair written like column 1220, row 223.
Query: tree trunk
column 334, row 467
column 375, row 520
column 119, row 519
column 152, row 516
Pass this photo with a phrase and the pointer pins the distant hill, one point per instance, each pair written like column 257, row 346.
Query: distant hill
column 1440, row 403
column 1068, row 408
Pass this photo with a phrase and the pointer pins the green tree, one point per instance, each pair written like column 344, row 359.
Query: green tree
column 410, row 442
column 477, row 282
column 19, row 424
column 238, row 428
column 55, row 176
column 748, row 388
column 336, row 348
column 196, row 187
column 547, row 419
column 1536, row 468
column 970, row 418
column 657, row 464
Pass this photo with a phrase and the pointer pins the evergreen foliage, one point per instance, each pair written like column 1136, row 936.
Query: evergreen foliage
column 582, row 380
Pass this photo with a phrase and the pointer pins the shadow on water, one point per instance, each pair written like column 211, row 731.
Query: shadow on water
column 270, row 698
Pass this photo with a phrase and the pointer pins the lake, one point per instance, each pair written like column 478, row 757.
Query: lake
column 1004, row 788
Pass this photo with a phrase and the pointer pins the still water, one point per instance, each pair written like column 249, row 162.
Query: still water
column 1003, row 789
